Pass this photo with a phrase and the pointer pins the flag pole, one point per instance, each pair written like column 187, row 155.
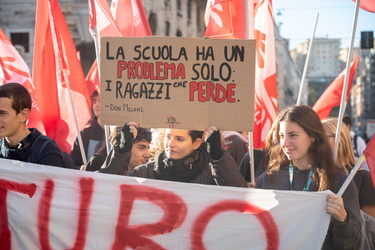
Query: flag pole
column 250, row 134
column 307, row 62
column 80, row 142
column 351, row 175
column 345, row 85
column 65, row 72
column 106, row 127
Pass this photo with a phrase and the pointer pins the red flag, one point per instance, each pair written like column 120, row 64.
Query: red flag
column 55, row 69
column 14, row 69
column 92, row 78
column 124, row 18
column 265, row 81
column 130, row 18
column 331, row 97
column 100, row 17
column 227, row 19
column 369, row 152
column 368, row 5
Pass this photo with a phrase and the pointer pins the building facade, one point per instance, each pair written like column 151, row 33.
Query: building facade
column 166, row 18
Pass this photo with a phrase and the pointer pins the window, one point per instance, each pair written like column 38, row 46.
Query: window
column 21, row 38
column 167, row 27
column 189, row 9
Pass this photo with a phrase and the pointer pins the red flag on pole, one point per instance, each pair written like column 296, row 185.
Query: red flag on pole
column 123, row 18
column 227, row 19
column 331, row 97
column 369, row 152
column 265, row 81
column 14, row 69
column 100, row 17
column 56, row 69
column 368, row 5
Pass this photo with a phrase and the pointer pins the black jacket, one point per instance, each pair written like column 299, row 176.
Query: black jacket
column 51, row 154
column 92, row 139
column 223, row 172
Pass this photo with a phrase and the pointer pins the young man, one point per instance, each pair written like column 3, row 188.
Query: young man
column 139, row 152
column 18, row 141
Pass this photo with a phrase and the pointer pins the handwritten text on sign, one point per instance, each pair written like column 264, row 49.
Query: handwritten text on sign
column 53, row 208
column 191, row 81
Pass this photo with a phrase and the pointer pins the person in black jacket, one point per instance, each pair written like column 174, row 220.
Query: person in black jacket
column 185, row 158
column 18, row 141
column 139, row 152
column 300, row 159
column 92, row 135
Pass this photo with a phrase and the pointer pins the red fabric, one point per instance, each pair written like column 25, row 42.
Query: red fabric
column 130, row 18
column 331, row 97
column 100, row 15
column 92, row 78
column 265, row 81
column 14, row 69
column 55, row 66
column 369, row 152
column 368, row 5
column 123, row 18
column 227, row 19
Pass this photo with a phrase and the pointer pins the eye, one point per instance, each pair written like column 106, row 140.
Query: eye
column 180, row 139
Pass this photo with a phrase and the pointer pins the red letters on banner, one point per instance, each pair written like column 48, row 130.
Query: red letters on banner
column 5, row 186
column 133, row 236
column 174, row 208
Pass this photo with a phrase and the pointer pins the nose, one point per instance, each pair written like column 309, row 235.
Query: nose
column 284, row 142
column 169, row 143
column 146, row 154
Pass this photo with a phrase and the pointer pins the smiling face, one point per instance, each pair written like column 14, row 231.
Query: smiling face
column 179, row 144
column 295, row 143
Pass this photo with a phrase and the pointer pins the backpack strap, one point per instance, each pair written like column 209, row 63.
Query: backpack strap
column 35, row 155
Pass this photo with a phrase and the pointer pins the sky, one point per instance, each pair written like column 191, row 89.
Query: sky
column 297, row 20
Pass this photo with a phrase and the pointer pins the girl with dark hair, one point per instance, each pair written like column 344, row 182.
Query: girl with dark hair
column 185, row 158
column 300, row 158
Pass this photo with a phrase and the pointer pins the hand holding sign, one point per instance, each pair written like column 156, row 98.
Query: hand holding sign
column 128, row 133
column 213, row 141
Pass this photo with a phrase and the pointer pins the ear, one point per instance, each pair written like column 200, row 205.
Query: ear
column 25, row 113
column 197, row 143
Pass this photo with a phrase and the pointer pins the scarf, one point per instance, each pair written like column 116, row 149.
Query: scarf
column 182, row 170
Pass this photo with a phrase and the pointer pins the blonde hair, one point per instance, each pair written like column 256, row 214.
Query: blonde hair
column 345, row 153
column 158, row 144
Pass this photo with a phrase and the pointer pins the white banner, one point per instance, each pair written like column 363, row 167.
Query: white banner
column 44, row 207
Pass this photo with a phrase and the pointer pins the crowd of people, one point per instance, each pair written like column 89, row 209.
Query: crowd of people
column 298, row 156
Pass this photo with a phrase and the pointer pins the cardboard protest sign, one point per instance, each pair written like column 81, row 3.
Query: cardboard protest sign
column 45, row 207
column 177, row 82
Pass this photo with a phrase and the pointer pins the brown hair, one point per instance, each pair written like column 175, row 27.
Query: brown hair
column 18, row 94
column 320, row 150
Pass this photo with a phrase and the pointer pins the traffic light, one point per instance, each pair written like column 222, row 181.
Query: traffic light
column 367, row 39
